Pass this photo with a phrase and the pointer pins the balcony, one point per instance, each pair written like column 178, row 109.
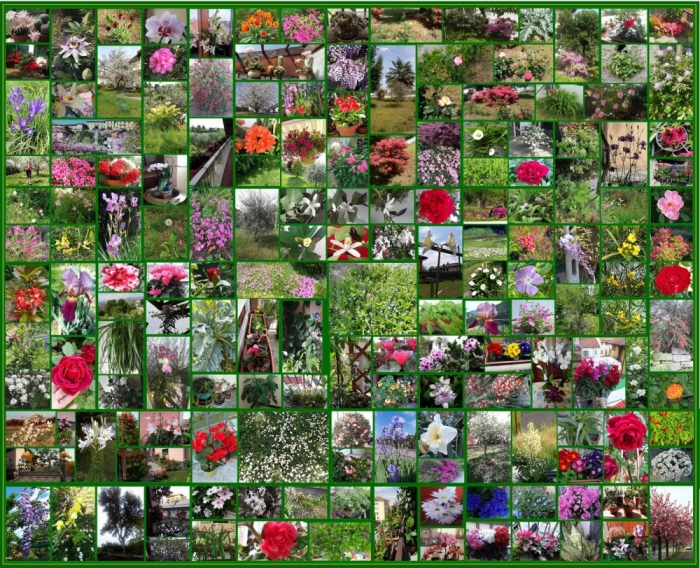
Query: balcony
column 218, row 171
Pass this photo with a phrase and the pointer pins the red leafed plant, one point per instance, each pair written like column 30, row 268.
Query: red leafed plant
column 388, row 157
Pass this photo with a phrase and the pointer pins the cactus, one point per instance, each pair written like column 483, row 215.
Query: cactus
column 44, row 18
column 44, row 30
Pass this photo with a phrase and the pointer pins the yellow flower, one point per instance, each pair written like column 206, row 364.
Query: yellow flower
column 60, row 524
column 631, row 275
column 632, row 238
column 307, row 242
column 512, row 351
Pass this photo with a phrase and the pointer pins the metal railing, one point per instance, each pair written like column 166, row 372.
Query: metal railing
column 211, row 173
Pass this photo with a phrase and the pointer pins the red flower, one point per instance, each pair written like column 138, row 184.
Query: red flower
column 412, row 343
column 626, row 432
column 72, row 375
column 278, row 540
column 673, row 279
column 610, row 467
column 213, row 273
column 436, row 205
column 495, row 349
column 502, row 536
column 628, row 24
column 401, row 357
column 388, row 345
column 88, row 353
column 532, row 172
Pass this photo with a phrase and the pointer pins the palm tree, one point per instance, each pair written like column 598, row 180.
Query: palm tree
column 401, row 72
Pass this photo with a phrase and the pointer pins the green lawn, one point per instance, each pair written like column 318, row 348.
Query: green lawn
column 526, row 103
column 20, row 179
column 247, row 248
column 289, row 180
column 493, row 248
column 108, row 105
column 262, row 177
column 178, row 475
column 157, row 232
column 157, row 141
column 389, row 117
column 108, row 459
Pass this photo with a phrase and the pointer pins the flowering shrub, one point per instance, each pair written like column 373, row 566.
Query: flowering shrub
column 348, row 165
column 210, row 76
column 388, row 158
column 669, row 246
column 269, row 447
column 671, row 84
column 304, row 26
column 352, row 430
column 347, row 67
column 571, row 63
column 533, row 319
column 500, row 95
column 577, row 502
column 211, row 226
column 72, row 172
column 671, row 205
column 27, row 389
column 351, row 469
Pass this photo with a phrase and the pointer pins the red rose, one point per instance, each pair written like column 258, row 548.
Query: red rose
column 531, row 172
column 626, row 432
column 72, row 375
column 673, row 279
column 213, row 273
column 88, row 353
column 627, row 24
column 436, row 205
column 278, row 540
column 610, row 466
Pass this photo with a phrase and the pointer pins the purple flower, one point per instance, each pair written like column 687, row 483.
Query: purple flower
column 527, row 279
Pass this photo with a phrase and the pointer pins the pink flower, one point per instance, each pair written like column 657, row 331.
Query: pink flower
column 458, row 60
column 401, row 357
column 352, row 160
column 162, row 61
column 670, row 205
column 527, row 76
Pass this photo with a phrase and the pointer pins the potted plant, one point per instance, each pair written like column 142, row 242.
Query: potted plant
column 20, row 24
column 277, row 71
column 347, row 114
column 347, row 25
column 256, row 354
column 196, row 163
column 41, row 24
column 164, row 173
column 119, row 172
column 257, row 324
column 215, row 447
column 260, row 391
column 304, row 66
column 203, row 389
column 254, row 66
column 612, row 500
column 672, row 138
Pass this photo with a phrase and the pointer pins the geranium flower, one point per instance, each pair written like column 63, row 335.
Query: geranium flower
column 486, row 313
column 527, row 279
column 438, row 436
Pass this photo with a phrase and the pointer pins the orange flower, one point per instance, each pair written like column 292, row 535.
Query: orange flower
column 239, row 146
column 245, row 27
column 258, row 140
column 267, row 15
column 268, row 22
column 263, row 33
column 674, row 391
column 275, row 25
column 251, row 17
column 259, row 12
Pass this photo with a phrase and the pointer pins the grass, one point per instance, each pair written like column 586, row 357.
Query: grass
column 519, row 56
column 408, row 176
column 289, row 180
column 157, row 141
column 261, row 177
column 20, row 179
column 247, row 248
column 389, row 117
column 392, row 26
column 448, row 289
column 501, row 470
column 525, row 104
column 156, row 232
column 632, row 210
column 280, row 283
column 108, row 458
column 178, row 475
column 108, row 105
column 474, row 248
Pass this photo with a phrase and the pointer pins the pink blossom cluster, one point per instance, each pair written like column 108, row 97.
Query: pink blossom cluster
column 168, row 272
column 72, row 172
column 303, row 27
column 579, row 503
column 211, row 229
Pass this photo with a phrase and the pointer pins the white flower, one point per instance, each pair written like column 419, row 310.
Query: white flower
column 312, row 205
column 492, row 152
column 473, row 275
column 483, row 286
column 641, row 392
column 478, row 135
column 347, row 246
column 471, row 283
column 499, row 282
column 492, row 277
column 437, row 437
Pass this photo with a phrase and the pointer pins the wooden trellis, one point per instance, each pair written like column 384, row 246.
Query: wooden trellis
column 356, row 351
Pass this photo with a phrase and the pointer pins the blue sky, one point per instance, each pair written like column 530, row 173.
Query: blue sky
column 440, row 234
column 382, row 419
column 392, row 52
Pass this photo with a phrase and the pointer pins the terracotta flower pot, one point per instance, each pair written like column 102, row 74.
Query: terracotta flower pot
column 115, row 183
column 347, row 131
column 19, row 38
column 43, row 38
